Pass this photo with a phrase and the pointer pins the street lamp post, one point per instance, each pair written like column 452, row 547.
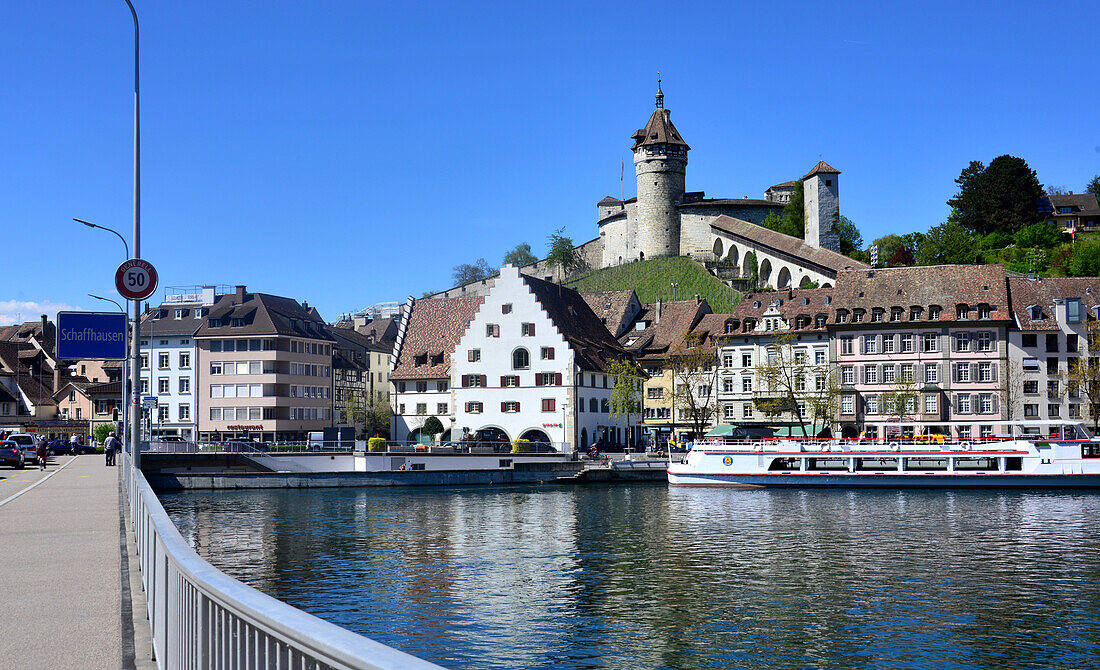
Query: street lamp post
column 135, row 359
column 122, row 405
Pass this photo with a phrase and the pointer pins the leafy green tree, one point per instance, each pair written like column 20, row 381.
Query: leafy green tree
column 626, row 395
column 1085, row 261
column 793, row 211
column 562, row 253
column 378, row 416
column 947, row 243
column 1094, row 187
column 466, row 273
column 520, row 256
column 888, row 245
column 850, row 237
column 1045, row 234
column 432, row 426
column 754, row 266
column 1001, row 196
column 998, row 239
column 782, row 224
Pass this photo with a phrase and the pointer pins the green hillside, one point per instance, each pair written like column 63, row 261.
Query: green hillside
column 654, row 279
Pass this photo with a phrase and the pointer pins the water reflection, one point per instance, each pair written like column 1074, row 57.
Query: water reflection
column 649, row 577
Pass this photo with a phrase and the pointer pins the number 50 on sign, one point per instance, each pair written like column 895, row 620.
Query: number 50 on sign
column 136, row 279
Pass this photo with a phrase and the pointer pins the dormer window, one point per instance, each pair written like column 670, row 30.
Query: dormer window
column 914, row 313
column 876, row 315
column 857, row 315
column 731, row 327
column 180, row 313
column 896, row 313
column 1035, row 312
column 756, row 304
column 962, row 312
column 985, row 312
column 842, row 316
column 237, row 322
column 641, row 325
column 819, row 321
column 420, row 359
column 934, row 312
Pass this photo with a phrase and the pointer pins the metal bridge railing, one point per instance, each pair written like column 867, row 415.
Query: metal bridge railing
column 202, row 618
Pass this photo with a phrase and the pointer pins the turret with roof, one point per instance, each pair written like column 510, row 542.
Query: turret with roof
column 660, row 163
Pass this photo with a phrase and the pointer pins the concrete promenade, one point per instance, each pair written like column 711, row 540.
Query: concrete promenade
column 63, row 584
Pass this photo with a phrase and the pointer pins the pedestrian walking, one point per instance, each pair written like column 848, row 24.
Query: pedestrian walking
column 43, row 452
column 109, row 446
column 74, row 444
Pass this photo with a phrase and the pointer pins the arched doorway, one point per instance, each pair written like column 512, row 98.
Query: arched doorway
column 849, row 432
column 540, row 441
column 718, row 248
column 731, row 255
column 784, row 279
column 747, row 266
column 493, row 436
column 806, row 281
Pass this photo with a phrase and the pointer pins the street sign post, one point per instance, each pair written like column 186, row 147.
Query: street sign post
column 93, row 336
column 136, row 279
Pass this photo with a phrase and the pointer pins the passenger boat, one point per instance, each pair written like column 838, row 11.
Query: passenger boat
column 1034, row 454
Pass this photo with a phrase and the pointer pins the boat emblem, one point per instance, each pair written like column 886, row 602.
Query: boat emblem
column 728, row 460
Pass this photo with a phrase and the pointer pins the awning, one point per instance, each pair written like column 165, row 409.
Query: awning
column 721, row 431
column 796, row 431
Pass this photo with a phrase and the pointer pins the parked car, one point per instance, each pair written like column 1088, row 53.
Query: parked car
column 11, row 454
column 28, row 445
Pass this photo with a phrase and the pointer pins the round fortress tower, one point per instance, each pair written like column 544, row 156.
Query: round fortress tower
column 660, row 161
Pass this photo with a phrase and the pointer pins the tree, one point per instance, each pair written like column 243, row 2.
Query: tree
column 787, row 382
column 466, row 273
column 900, row 402
column 753, row 265
column 792, row 219
column 1011, row 386
column 626, row 395
column 694, row 375
column 947, row 243
column 520, row 256
column 1002, row 196
column 902, row 257
column 1045, row 234
column 378, row 416
column 1051, row 189
column 562, row 253
column 888, row 245
column 1083, row 377
column 432, row 426
column 1094, row 187
column 354, row 408
column 850, row 237
column 1085, row 261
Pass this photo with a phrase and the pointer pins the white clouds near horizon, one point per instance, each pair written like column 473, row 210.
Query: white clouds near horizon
column 21, row 311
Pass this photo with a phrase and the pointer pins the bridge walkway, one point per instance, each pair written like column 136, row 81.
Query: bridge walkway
column 66, row 588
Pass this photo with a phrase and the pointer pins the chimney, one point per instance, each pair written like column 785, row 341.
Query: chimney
column 240, row 294
column 45, row 320
column 658, row 309
column 698, row 299
column 56, row 379
column 305, row 305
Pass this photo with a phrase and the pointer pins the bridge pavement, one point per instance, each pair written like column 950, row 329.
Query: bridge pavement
column 63, row 582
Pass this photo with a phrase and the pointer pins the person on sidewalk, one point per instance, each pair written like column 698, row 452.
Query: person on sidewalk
column 43, row 452
column 109, row 447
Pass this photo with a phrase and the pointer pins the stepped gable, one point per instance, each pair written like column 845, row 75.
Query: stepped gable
column 667, row 326
column 610, row 306
column 944, row 285
column 1025, row 292
column 593, row 346
column 435, row 326
column 261, row 314
column 793, row 303
column 759, row 236
column 659, row 130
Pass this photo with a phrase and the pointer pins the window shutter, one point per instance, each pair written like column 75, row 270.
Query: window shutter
column 882, row 374
column 897, row 372
column 503, row 381
column 995, row 367
column 557, row 379
column 955, row 342
column 955, row 404
column 496, row 330
column 550, row 354
column 467, row 406
column 973, row 399
column 465, row 381
column 862, row 345
column 531, row 329
column 503, row 407
column 862, row 375
column 973, row 372
column 996, row 404
column 484, row 381
column 538, row 379
column 517, row 405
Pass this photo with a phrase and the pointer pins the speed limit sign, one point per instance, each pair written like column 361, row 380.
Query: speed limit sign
column 136, row 279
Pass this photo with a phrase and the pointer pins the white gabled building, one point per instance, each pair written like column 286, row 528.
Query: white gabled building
column 532, row 364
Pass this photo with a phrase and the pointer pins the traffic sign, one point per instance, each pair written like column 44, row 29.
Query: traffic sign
column 136, row 279
column 91, row 335
column 149, row 401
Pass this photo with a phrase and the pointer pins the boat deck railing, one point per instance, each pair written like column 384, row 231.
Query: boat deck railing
column 203, row 618
column 930, row 443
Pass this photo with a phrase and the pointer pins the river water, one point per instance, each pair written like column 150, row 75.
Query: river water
column 646, row 576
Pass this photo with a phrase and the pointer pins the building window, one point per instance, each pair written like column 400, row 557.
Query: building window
column 1029, row 340
column 509, row 381
column 931, row 404
column 727, row 386
column 521, row 359
column 934, row 312
column 1031, row 411
column 547, row 353
column 474, row 408
column 930, row 342
column 549, row 404
column 442, row 408
column 421, row 387
column 985, row 372
column 1052, row 365
column 746, row 410
column 985, row 403
column 907, row 372
column 848, row 375
column 185, row 384
column 1052, row 342
column 1071, row 343
column 962, row 403
column 876, row 315
column 184, row 412
column 985, row 341
column 527, row 329
column 871, row 404
column 888, row 374
column 506, row 308
column 162, row 385
column 509, row 406
column 163, row 414
column 655, row 392
column 473, row 355
column 727, row 360
column 1053, row 411
column 962, row 372
column 421, row 408
column 746, row 384
column 932, row 373
column 870, row 374
column 847, row 404
column 145, row 361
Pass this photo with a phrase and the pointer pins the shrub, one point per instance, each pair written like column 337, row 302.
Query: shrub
column 376, row 444
column 520, row 446
column 101, row 431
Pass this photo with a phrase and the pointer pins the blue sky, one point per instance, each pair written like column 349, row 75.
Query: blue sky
column 347, row 153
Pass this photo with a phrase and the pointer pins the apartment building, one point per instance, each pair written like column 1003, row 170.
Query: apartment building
column 1053, row 319
column 775, row 347
column 264, row 369
column 922, row 344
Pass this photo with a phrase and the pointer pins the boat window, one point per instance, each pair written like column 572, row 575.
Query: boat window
column 783, row 464
column 827, row 464
column 865, row 464
column 926, row 464
column 986, row 463
column 1014, row 464
column 1090, row 450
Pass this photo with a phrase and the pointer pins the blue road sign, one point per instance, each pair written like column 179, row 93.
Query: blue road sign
column 91, row 335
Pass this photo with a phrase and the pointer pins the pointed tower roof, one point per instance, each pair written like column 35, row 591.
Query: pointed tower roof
column 821, row 168
column 659, row 130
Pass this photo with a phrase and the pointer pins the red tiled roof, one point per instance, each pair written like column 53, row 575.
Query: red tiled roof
column 666, row 334
column 659, row 130
column 434, row 328
column 821, row 168
column 944, row 285
column 1024, row 293
column 809, row 302
column 733, row 202
column 753, row 234
column 610, row 306
column 593, row 346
